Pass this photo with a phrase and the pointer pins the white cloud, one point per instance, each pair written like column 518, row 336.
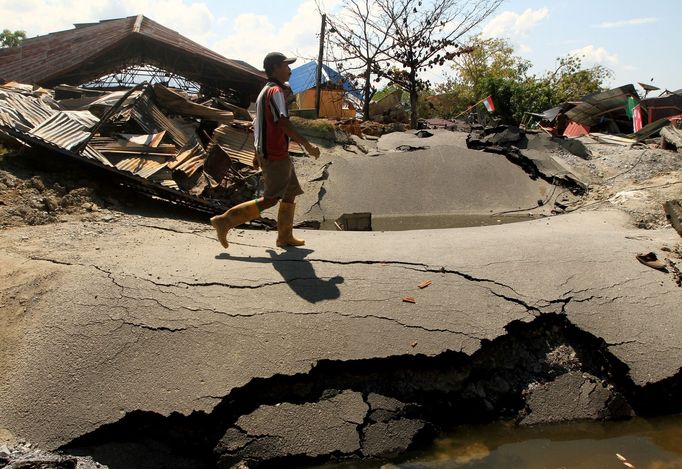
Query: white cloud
column 191, row 19
column 623, row 23
column 596, row 55
column 253, row 36
column 514, row 25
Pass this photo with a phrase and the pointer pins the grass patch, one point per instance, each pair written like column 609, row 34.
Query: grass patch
column 318, row 128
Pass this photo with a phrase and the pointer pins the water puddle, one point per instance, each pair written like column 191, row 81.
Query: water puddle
column 643, row 443
column 431, row 222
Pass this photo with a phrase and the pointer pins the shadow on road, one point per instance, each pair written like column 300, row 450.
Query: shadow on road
column 297, row 272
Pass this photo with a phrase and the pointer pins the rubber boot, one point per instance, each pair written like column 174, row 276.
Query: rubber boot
column 285, row 226
column 235, row 216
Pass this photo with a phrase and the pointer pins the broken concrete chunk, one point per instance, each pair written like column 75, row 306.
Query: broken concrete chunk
column 390, row 438
column 574, row 396
column 377, row 401
column 329, row 426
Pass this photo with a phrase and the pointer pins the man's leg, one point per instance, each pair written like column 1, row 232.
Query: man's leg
column 285, row 223
column 238, row 215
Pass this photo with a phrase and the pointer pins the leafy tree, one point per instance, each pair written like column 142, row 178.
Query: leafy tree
column 492, row 69
column 426, row 34
column 361, row 33
column 11, row 39
column 570, row 80
column 489, row 58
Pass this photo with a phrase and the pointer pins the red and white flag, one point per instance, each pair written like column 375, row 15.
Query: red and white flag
column 488, row 103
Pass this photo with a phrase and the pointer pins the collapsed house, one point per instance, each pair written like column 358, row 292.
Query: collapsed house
column 191, row 144
column 338, row 97
column 616, row 116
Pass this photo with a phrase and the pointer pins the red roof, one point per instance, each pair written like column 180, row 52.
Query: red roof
column 92, row 50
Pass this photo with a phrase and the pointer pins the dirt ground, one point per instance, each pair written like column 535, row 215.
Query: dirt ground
column 637, row 180
column 38, row 191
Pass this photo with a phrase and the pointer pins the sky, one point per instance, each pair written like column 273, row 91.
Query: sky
column 637, row 40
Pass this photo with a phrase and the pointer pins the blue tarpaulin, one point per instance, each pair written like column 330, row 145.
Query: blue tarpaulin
column 303, row 78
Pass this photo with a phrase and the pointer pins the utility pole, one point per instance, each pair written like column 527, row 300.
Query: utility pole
column 318, row 80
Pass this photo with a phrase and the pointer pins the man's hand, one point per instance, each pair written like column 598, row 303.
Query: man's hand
column 256, row 164
column 313, row 151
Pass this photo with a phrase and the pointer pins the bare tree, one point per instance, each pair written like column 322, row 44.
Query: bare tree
column 361, row 34
column 424, row 34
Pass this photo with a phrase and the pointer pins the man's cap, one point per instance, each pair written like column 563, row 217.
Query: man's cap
column 275, row 58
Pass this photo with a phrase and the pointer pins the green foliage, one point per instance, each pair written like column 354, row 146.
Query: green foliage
column 571, row 81
column 11, row 39
column 382, row 93
column 492, row 69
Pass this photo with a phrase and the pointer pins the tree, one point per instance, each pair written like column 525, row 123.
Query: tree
column 570, row 80
column 493, row 69
column 361, row 34
column 426, row 34
column 11, row 39
column 490, row 57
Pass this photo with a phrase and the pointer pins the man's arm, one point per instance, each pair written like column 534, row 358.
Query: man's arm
column 293, row 134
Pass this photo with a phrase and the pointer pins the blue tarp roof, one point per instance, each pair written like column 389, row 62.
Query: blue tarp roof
column 303, row 78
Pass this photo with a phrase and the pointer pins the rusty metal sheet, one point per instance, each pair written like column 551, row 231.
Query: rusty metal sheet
column 23, row 112
column 141, row 165
column 148, row 115
column 66, row 129
column 92, row 154
column 236, row 142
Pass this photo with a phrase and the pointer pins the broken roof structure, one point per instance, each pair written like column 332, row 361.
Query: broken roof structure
column 304, row 78
column 151, row 138
column 595, row 107
column 92, row 50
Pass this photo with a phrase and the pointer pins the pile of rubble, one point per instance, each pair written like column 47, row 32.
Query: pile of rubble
column 617, row 116
column 152, row 139
column 24, row 455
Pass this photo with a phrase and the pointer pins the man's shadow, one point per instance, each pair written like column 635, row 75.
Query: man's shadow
column 298, row 273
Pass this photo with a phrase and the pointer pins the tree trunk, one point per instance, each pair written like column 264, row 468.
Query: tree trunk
column 367, row 92
column 414, row 99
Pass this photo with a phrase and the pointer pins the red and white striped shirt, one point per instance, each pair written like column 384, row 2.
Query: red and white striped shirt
column 270, row 140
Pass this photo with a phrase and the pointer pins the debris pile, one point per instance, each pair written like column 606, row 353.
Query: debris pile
column 24, row 455
column 527, row 151
column 150, row 138
column 617, row 116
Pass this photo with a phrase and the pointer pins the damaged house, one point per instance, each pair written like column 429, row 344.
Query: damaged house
column 160, row 113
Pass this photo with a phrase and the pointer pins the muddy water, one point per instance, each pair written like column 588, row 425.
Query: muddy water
column 646, row 444
column 429, row 222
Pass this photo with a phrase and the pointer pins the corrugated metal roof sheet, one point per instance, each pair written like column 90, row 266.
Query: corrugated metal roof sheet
column 152, row 120
column 142, row 166
column 66, row 129
column 237, row 143
column 593, row 107
column 21, row 111
column 92, row 153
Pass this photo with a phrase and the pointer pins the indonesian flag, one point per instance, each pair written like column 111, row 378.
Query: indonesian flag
column 488, row 103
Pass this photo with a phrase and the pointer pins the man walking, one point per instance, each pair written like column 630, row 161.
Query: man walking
column 272, row 130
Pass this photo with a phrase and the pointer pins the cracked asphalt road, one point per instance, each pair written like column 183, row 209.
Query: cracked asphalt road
column 102, row 319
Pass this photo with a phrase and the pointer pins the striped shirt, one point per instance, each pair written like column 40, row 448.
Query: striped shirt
column 270, row 140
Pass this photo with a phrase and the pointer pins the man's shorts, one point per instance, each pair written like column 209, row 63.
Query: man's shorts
column 280, row 179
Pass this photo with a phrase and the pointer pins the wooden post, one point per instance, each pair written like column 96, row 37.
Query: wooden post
column 318, row 79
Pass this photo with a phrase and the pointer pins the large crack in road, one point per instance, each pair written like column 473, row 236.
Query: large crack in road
column 174, row 352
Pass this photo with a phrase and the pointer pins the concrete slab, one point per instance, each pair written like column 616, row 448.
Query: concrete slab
column 440, row 180
column 102, row 319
